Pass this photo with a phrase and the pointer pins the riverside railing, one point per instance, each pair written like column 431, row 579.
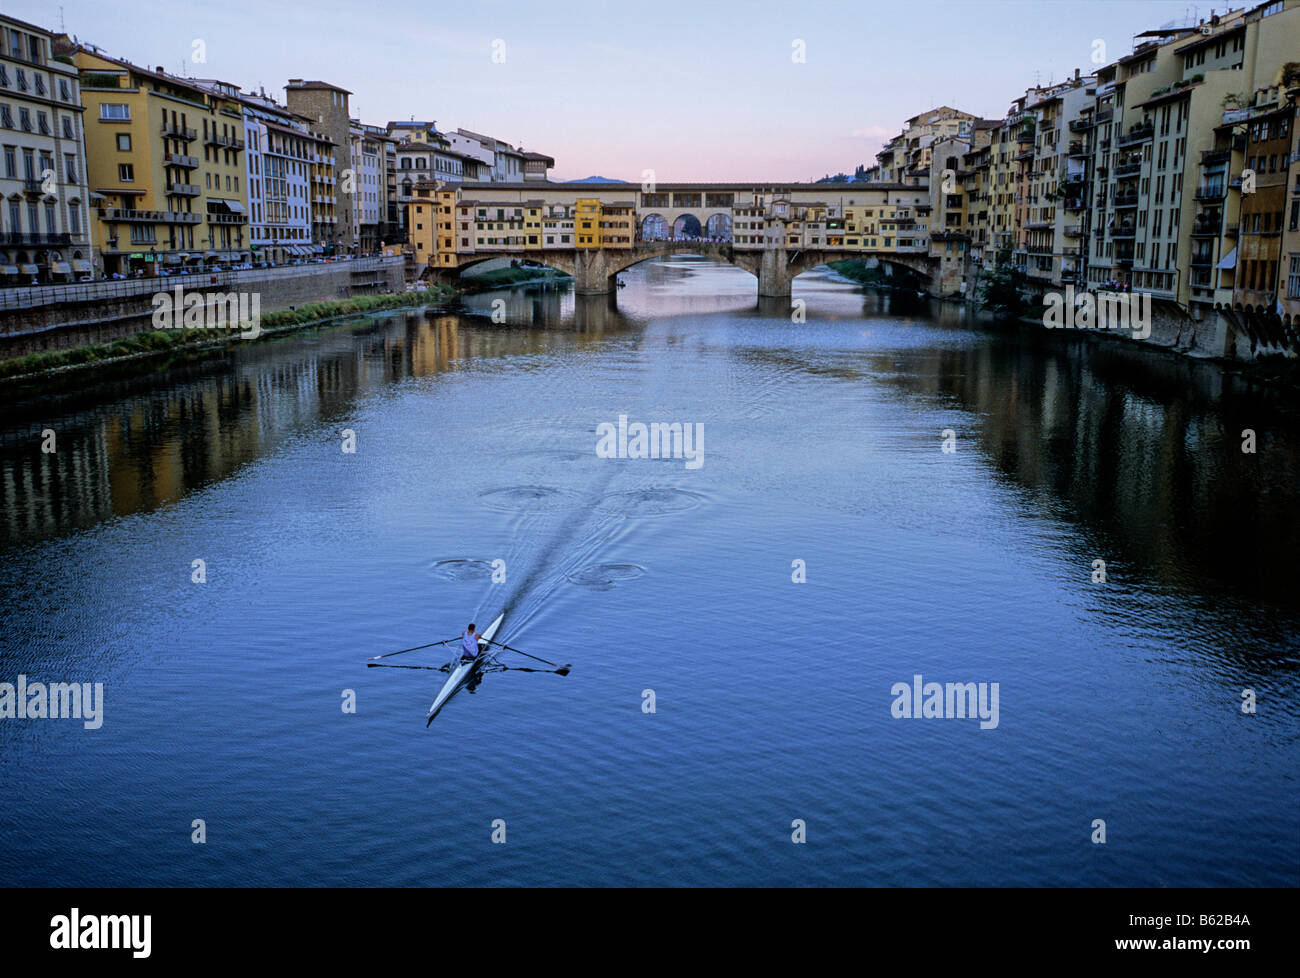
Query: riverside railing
column 103, row 291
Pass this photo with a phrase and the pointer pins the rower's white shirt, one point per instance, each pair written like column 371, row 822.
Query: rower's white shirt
column 468, row 645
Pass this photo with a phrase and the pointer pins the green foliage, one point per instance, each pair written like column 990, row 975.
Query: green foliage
column 1002, row 291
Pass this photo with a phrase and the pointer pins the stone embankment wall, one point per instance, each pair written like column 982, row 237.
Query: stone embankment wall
column 64, row 317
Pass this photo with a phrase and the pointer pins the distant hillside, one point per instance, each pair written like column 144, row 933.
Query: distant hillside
column 595, row 180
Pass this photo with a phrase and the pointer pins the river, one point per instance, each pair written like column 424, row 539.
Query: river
column 739, row 630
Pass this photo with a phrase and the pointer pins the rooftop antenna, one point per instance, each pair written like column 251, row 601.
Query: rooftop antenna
column 62, row 29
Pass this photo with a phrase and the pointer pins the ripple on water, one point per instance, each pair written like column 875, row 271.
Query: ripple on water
column 530, row 499
column 650, row 502
column 556, row 454
column 462, row 569
column 602, row 577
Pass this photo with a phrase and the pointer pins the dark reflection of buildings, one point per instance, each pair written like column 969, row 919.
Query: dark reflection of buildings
column 1140, row 449
column 125, row 446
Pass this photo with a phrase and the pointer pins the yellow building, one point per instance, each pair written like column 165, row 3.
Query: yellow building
column 618, row 225
column 587, row 217
column 445, row 231
column 533, row 227
column 421, row 224
column 165, row 159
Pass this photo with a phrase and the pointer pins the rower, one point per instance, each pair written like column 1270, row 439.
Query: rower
column 469, row 644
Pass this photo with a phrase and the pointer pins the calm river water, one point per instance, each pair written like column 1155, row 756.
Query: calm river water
column 475, row 443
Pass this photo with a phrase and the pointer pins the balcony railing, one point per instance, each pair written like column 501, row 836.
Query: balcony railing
column 1074, row 204
column 227, row 218
column 151, row 217
column 35, row 239
column 1128, row 169
column 217, row 139
column 1123, row 201
column 1080, row 125
column 1077, row 149
column 1212, row 192
column 1122, row 232
column 184, row 189
column 177, row 131
column 1211, row 156
column 180, row 159
column 1136, row 134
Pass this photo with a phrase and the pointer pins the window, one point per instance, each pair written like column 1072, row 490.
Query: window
column 126, row 172
column 43, row 123
column 114, row 112
column 68, row 131
column 1293, row 280
column 6, row 117
column 124, row 142
column 74, row 218
column 11, row 162
column 65, row 92
column 25, row 120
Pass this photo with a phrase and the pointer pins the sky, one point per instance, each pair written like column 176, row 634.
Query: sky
column 706, row 90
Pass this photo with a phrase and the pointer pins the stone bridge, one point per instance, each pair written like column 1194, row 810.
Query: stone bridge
column 595, row 270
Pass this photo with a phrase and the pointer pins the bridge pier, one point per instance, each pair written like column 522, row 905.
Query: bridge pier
column 592, row 273
column 774, row 274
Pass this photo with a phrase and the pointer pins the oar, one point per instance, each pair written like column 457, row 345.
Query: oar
column 396, row 665
column 529, row 654
column 414, row 648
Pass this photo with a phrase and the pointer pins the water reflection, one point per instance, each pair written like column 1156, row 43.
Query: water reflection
column 1143, row 450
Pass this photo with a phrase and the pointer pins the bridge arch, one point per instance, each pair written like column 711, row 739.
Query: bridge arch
column 655, row 227
column 687, row 226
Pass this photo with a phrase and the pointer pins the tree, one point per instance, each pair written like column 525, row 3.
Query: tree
column 1002, row 291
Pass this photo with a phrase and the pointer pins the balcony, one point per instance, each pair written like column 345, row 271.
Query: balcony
column 1202, row 261
column 1105, row 115
column 1025, row 155
column 35, row 239
column 177, row 131
column 215, row 138
column 1142, row 131
column 1123, row 232
column 183, row 189
column 1080, row 125
column 151, row 217
column 1077, row 149
column 227, row 218
column 1212, row 156
column 32, row 186
column 179, row 159
column 1124, row 201
column 1074, row 231
column 1075, row 204
column 1212, row 192
column 1126, row 170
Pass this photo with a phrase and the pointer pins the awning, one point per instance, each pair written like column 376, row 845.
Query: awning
column 80, row 265
column 1229, row 260
column 173, row 259
column 8, row 269
column 61, row 268
column 29, row 269
column 317, row 249
column 235, row 206
column 212, row 254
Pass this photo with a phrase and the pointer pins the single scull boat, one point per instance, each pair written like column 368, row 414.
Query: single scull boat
column 466, row 671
